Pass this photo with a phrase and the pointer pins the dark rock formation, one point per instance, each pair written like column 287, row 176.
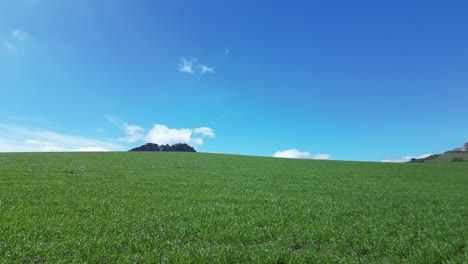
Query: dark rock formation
column 180, row 147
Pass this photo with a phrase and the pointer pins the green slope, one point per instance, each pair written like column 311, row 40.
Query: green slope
column 449, row 156
column 208, row 208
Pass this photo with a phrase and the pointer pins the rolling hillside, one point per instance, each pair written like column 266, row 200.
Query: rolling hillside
column 210, row 208
column 456, row 155
column 450, row 156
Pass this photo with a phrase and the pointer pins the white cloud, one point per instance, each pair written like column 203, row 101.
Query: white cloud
column 161, row 134
column 22, row 139
column 20, row 35
column 133, row 133
column 296, row 154
column 92, row 149
column 205, row 69
column 205, row 131
column 44, row 146
column 186, row 65
column 321, row 157
column 191, row 67
column 405, row 158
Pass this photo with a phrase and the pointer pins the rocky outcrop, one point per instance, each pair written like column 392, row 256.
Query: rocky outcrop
column 464, row 148
column 181, row 147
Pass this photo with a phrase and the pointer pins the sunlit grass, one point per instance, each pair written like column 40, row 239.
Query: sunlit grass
column 207, row 208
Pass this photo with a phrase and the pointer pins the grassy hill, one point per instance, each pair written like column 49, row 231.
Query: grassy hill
column 449, row 156
column 211, row 208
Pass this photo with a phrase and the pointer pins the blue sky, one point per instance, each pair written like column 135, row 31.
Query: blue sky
column 344, row 80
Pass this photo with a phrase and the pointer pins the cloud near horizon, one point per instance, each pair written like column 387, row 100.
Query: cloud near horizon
column 161, row 134
column 21, row 139
column 405, row 158
column 296, row 154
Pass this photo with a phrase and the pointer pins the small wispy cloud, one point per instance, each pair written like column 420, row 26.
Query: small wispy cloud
column 192, row 66
column 205, row 69
column 133, row 133
column 187, row 65
column 20, row 35
column 297, row 154
column 9, row 46
column 227, row 51
column 15, row 39
column 205, row 131
column 405, row 158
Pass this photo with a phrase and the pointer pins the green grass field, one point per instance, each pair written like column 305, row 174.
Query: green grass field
column 211, row 208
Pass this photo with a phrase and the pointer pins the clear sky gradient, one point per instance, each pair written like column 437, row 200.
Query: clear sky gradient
column 346, row 80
